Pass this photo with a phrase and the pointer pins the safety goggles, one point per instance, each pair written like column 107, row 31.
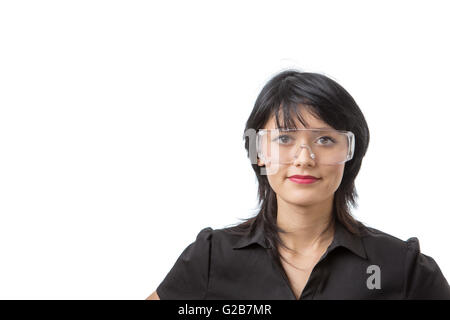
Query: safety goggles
column 324, row 146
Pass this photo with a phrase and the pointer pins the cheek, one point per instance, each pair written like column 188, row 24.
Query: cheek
column 333, row 179
column 276, row 178
column 275, row 181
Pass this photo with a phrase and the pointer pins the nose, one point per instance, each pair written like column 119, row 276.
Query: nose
column 304, row 155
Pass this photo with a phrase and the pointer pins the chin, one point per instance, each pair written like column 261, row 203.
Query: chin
column 302, row 200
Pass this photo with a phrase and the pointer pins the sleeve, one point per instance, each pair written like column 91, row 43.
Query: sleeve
column 423, row 277
column 188, row 278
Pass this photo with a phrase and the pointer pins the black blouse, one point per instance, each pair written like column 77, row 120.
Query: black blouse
column 219, row 265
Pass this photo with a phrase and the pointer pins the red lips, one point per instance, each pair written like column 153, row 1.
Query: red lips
column 303, row 177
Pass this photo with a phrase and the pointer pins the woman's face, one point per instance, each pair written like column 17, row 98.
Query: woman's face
column 330, row 176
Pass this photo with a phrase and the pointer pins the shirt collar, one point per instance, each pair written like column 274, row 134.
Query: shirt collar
column 342, row 238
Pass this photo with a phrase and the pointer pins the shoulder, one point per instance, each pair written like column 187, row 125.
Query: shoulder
column 385, row 246
column 419, row 273
column 376, row 234
column 220, row 240
column 225, row 238
column 379, row 242
column 205, row 234
column 210, row 234
column 188, row 277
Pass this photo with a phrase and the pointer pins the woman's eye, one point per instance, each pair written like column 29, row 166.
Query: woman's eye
column 284, row 139
column 331, row 140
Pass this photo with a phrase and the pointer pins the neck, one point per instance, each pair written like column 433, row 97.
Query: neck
column 308, row 226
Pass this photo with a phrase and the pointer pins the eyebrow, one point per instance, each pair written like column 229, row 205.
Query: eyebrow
column 327, row 128
column 324, row 128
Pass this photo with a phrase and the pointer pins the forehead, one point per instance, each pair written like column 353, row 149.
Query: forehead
column 312, row 121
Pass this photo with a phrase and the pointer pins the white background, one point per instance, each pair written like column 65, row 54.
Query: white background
column 121, row 128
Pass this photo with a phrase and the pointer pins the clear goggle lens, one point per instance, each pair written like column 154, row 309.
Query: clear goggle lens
column 324, row 146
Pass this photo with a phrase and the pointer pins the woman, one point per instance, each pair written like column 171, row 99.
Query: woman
column 306, row 138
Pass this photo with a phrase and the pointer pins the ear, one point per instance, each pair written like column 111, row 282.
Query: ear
column 260, row 162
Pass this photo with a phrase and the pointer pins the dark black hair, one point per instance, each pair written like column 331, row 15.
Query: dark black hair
column 327, row 100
